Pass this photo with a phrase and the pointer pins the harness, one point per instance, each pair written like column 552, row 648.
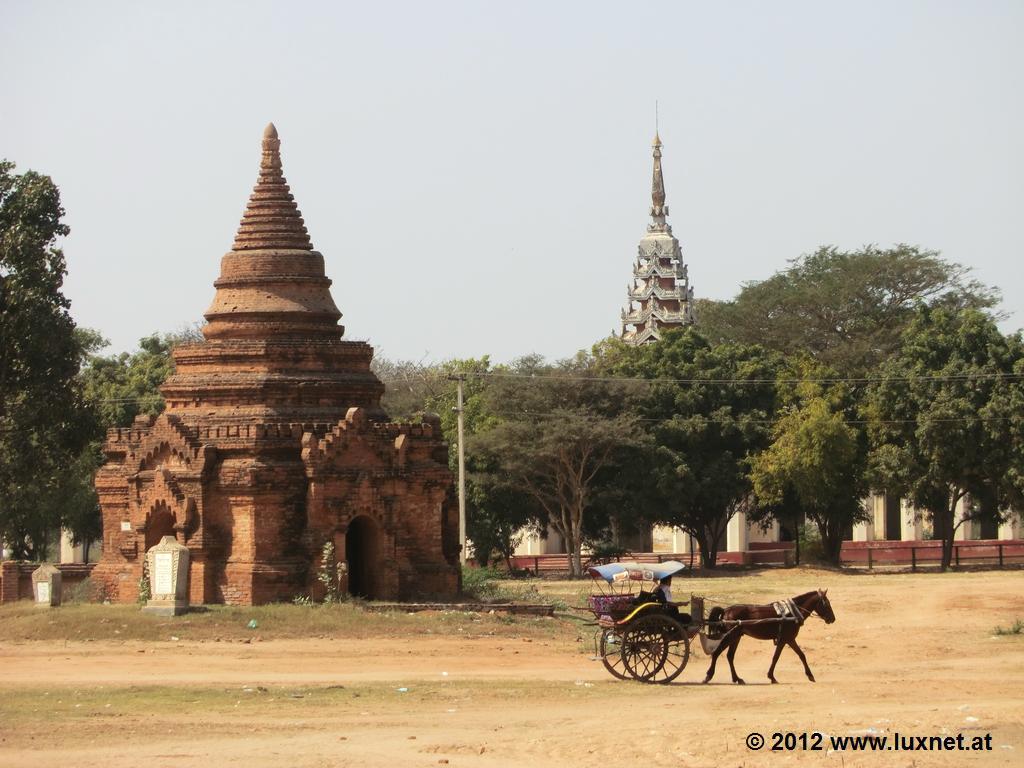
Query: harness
column 787, row 610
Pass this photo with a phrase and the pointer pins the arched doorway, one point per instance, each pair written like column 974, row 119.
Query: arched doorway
column 361, row 553
column 160, row 523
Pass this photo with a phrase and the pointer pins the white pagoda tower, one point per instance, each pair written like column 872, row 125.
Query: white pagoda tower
column 660, row 297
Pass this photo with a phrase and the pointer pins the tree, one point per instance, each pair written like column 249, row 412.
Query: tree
column 408, row 385
column 124, row 386
column 43, row 424
column 817, row 460
column 115, row 389
column 708, row 410
column 559, row 434
column 945, row 420
column 846, row 308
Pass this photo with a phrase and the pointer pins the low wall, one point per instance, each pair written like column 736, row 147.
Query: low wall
column 16, row 578
column 915, row 553
column 856, row 553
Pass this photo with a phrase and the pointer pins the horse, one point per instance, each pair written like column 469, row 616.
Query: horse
column 762, row 622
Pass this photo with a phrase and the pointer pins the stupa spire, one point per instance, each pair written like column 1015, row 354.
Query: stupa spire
column 271, row 219
column 658, row 208
column 272, row 284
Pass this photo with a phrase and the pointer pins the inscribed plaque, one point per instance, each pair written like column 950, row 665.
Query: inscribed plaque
column 162, row 565
column 43, row 590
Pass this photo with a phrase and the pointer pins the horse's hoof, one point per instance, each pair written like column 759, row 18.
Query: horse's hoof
column 811, row 678
column 707, row 680
column 739, row 681
column 774, row 681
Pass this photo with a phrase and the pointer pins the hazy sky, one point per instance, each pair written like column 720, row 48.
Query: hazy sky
column 477, row 174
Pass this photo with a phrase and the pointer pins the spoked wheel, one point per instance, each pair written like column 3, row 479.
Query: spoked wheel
column 655, row 649
column 611, row 653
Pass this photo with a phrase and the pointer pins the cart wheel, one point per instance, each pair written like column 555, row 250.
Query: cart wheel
column 655, row 649
column 611, row 653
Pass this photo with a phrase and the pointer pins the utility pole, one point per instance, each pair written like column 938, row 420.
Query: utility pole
column 460, row 378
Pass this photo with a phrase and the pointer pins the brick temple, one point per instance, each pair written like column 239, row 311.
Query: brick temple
column 273, row 442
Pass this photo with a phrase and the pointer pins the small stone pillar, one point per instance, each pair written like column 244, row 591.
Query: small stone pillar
column 168, row 578
column 46, row 586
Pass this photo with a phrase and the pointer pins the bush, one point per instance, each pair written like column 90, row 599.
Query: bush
column 811, row 548
column 1017, row 628
column 480, row 583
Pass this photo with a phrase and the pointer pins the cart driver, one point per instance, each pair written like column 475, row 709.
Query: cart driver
column 663, row 594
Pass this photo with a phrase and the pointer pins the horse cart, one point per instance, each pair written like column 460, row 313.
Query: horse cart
column 639, row 636
column 642, row 636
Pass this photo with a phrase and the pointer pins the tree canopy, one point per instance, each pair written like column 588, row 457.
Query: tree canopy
column 945, row 420
column 814, row 467
column 845, row 308
column 43, row 424
column 708, row 410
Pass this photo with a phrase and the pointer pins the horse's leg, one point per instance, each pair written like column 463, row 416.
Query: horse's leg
column 722, row 645
column 796, row 649
column 714, row 658
column 775, row 660
column 732, row 655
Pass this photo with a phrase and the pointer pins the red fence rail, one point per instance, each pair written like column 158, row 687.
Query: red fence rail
column 854, row 553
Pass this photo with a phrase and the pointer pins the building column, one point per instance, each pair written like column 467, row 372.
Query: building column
column 864, row 531
column 1011, row 529
column 680, row 541
column 69, row 551
column 736, row 534
column 876, row 510
column 910, row 526
column 966, row 530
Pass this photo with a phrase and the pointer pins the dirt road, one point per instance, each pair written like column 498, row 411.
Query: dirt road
column 913, row 654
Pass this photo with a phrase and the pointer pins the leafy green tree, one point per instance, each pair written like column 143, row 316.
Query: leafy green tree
column 43, row 424
column 124, row 386
column 817, row 460
column 559, row 434
column 708, row 410
column 115, row 389
column 945, row 420
column 845, row 308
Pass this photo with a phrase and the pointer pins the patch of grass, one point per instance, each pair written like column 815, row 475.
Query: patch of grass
column 86, row 622
column 489, row 585
column 1017, row 628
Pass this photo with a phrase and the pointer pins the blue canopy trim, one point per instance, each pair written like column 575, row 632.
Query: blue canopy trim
column 615, row 572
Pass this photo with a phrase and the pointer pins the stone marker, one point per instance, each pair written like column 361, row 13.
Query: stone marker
column 46, row 586
column 168, row 578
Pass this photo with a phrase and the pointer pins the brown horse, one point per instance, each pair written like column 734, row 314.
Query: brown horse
column 762, row 623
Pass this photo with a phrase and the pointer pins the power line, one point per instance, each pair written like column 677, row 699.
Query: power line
column 824, row 380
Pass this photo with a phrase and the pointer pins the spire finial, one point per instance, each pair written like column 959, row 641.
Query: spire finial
column 657, row 184
column 658, row 208
column 271, row 219
column 657, row 137
column 271, row 148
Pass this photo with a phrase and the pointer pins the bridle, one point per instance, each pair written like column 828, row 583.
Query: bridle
column 806, row 613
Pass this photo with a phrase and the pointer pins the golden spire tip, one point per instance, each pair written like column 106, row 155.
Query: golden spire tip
column 270, row 132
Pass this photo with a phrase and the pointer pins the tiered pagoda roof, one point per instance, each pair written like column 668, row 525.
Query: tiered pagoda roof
column 659, row 296
column 274, row 350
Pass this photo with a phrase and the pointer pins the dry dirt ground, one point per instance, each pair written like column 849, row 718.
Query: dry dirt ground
column 913, row 654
